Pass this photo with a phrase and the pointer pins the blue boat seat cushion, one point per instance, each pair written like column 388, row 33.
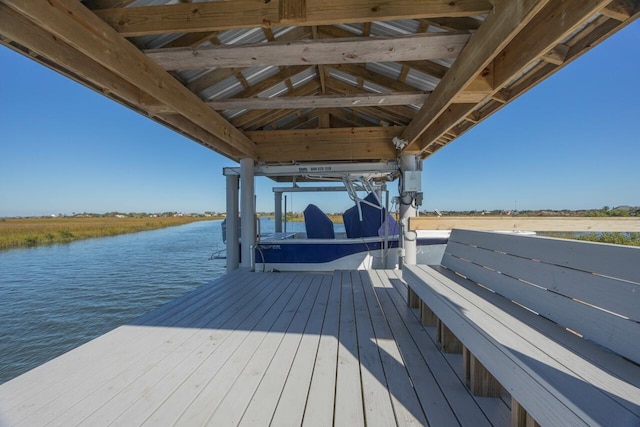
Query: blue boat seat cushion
column 317, row 223
column 371, row 219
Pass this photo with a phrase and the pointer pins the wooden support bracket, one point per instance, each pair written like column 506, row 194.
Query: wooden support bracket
column 520, row 417
column 427, row 317
column 413, row 298
column 449, row 343
column 480, row 381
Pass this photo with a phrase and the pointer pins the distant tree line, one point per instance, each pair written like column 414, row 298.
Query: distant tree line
column 606, row 211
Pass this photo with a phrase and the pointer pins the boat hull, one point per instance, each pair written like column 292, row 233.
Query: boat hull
column 337, row 254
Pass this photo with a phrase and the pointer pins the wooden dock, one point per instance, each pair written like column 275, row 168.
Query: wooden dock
column 260, row 349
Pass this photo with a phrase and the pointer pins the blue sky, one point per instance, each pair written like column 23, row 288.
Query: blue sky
column 572, row 142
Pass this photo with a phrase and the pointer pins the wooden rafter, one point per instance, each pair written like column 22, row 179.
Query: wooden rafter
column 500, row 27
column 325, row 75
column 220, row 16
column 334, row 51
column 70, row 21
column 529, row 44
column 269, row 82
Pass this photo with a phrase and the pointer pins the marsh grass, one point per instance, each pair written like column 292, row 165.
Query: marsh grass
column 27, row 232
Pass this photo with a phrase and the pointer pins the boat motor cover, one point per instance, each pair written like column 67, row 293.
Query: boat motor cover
column 371, row 219
column 317, row 223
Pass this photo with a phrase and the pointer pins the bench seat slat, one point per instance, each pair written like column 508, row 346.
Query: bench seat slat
column 616, row 333
column 621, row 261
column 611, row 373
column 535, row 379
column 610, row 294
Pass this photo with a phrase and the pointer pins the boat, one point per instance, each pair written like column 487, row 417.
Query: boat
column 372, row 238
column 363, row 245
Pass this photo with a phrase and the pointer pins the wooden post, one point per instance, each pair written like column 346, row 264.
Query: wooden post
column 481, row 382
column 466, row 366
column 520, row 417
column 414, row 299
column 449, row 343
column 427, row 317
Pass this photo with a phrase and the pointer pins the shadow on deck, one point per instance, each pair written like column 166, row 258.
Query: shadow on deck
column 258, row 349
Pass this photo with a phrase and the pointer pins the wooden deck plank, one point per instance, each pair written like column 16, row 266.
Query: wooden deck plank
column 270, row 363
column 348, row 404
column 121, row 397
column 321, row 397
column 210, row 380
column 498, row 411
column 68, row 376
column 258, row 349
column 378, row 410
column 406, row 405
column 272, row 387
column 462, row 408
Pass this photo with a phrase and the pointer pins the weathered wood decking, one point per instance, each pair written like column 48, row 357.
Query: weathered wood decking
column 259, row 349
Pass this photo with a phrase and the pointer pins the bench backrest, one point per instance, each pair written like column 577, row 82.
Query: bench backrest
column 592, row 289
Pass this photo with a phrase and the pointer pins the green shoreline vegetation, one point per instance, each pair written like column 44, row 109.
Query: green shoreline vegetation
column 36, row 231
column 29, row 232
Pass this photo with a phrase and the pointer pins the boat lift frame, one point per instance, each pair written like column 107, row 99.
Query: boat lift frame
column 310, row 172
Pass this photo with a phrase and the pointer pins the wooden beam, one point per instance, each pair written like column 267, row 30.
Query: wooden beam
column 554, row 22
column 522, row 223
column 305, row 52
column 501, row 26
column 77, row 26
column 326, row 101
column 221, row 16
column 620, row 10
column 373, row 143
column 219, row 74
column 292, row 11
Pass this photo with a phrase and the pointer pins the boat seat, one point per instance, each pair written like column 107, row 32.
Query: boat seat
column 371, row 219
column 317, row 223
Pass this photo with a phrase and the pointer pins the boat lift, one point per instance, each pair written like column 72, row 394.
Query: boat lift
column 354, row 176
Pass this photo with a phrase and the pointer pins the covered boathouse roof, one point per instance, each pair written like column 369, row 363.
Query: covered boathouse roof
column 283, row 81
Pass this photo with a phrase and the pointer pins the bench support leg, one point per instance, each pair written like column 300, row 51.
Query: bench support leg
column 520, row 417
column 427, row 317
column 479, row 379
column 414, row 299
column 448, row 342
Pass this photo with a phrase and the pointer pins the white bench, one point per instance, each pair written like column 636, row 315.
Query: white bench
column 555, row 323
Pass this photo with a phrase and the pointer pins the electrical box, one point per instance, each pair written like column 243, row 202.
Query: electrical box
column 413, row 181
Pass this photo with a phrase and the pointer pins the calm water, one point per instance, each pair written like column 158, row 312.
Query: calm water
column 54, row 298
